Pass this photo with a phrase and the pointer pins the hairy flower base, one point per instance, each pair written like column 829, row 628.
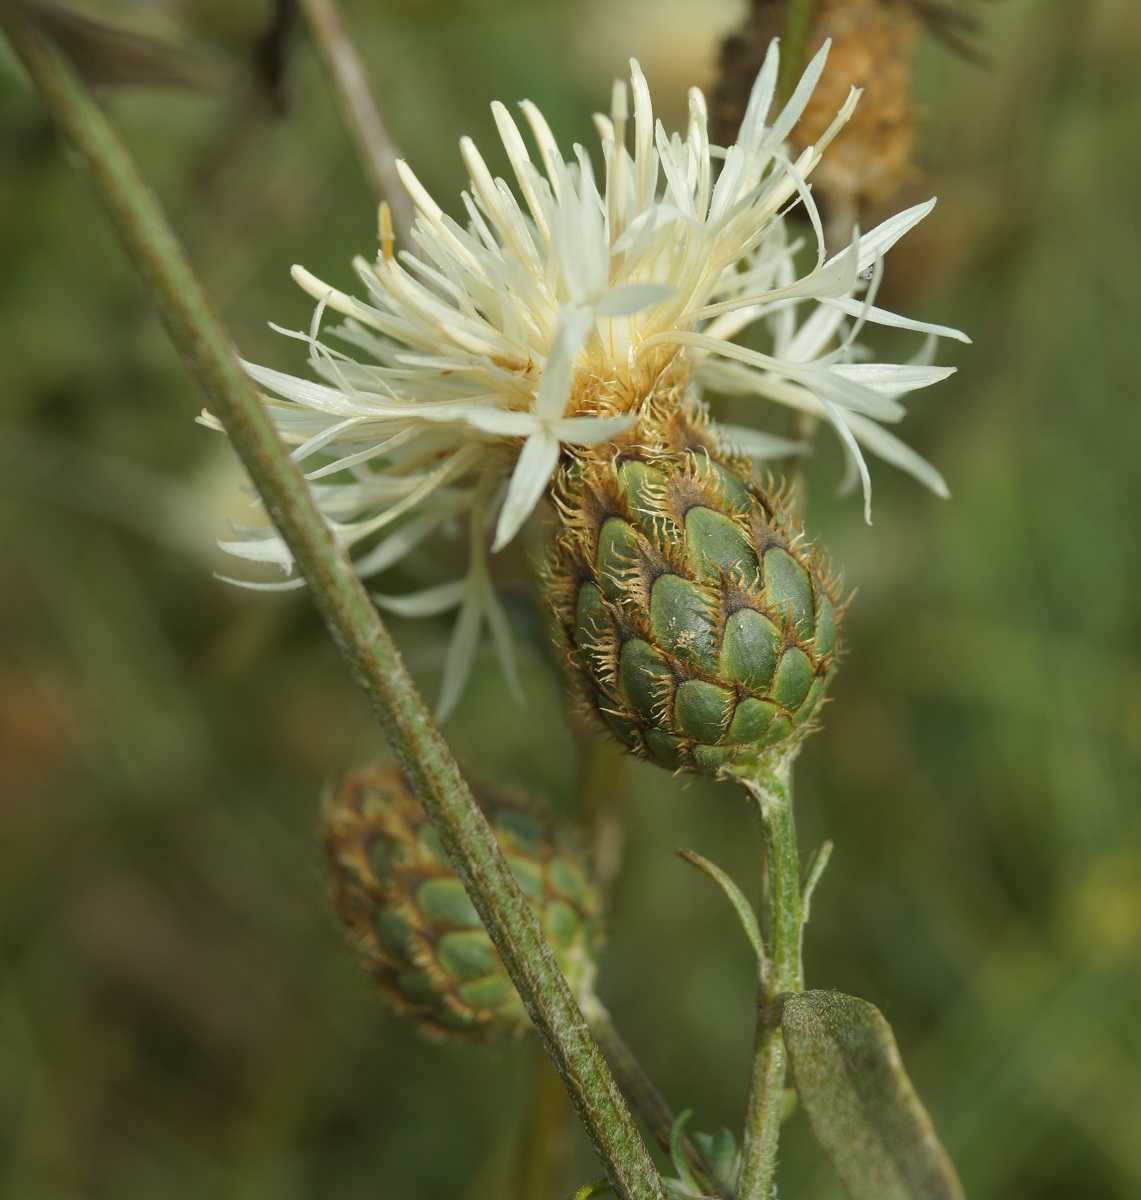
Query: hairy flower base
column 414, row 928
column 703, row 627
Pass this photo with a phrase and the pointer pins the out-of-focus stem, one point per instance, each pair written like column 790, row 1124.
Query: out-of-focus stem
column 359, row 109
column 804, row 426
column 642, row 1094
column 794, row 33
column 344, row 605
column 603, row 767
column 780, row 973
column 544, row 1143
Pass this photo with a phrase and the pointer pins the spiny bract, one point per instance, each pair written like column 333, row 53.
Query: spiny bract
column 703, row 626
column 413, row 926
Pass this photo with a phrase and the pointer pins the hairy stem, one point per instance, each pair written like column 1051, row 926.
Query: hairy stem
column 780, row 973
column 353, row 622
column 359, row 109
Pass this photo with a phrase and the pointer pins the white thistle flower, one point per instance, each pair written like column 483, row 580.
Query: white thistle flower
column 547, row 320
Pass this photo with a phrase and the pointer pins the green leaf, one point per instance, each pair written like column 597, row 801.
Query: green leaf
column 815, row 870
column 741, row 905
column 678, row 1156
column 859, row 1101
column 720, row 1150
column 706, row 1167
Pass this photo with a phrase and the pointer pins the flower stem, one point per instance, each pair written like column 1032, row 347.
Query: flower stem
column 780, row 973
column 359, row 109
column 352, row 620
column 794, row 31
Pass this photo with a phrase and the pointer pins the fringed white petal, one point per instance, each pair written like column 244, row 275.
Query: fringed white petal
column 891, row 449
column 892, row 379
column 529, row 480
column 882, row 316
column 428, row 602
column 761, row 447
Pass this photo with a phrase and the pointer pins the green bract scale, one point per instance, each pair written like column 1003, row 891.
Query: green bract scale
column 412, row 924
column 703, row 626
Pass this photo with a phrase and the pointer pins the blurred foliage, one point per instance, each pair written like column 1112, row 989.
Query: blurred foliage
column 178, row 1017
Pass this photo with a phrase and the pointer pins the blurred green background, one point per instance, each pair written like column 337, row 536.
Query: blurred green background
column 178, row 1017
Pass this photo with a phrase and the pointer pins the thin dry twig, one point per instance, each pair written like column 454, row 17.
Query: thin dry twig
column 359, row 109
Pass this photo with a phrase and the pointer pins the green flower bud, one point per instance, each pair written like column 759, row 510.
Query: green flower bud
column 703, row 627
column 413, row 927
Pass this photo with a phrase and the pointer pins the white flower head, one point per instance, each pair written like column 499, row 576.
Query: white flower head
column 549, row 317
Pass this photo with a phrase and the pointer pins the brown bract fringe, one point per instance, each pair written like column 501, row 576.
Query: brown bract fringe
column 692, row 468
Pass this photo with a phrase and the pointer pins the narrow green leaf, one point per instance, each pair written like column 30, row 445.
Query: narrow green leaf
column 741, row 905
column 815, row 870
column 720, row 1150
column 859, row 1101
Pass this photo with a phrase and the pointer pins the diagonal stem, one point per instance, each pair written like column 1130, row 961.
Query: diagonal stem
column 644, row 1096
column 353, row 622
column 543, row 1149
column 771, row 790
column 359, row 109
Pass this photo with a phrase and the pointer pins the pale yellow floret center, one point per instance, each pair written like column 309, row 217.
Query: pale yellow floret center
column 600, row 389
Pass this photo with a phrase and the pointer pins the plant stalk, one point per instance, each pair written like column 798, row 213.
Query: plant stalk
column 351, row 618
column 544, row 1144
column 794, row 31
column 781, row 972
column 642, row 1093
column 359, row 109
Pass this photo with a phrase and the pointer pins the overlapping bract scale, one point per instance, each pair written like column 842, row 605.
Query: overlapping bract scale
column 410, row 920
column 703, row 628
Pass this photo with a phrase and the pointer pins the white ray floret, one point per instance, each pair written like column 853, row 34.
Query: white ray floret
column 544, row 319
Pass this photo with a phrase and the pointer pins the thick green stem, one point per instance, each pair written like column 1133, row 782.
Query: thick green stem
column 352, row 620
column 794, row 31
column 780, row 973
